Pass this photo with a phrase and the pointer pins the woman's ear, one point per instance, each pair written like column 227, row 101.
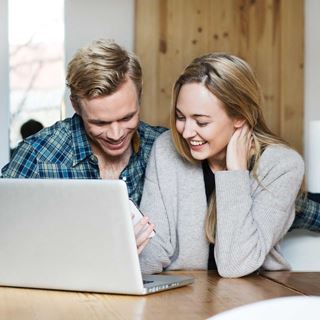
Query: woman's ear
column 238, row 123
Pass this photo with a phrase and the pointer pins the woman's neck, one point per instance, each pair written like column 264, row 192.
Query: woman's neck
column 217, row 165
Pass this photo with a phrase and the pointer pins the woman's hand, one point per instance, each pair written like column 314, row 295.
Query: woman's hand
column 143, row 230
column 238, row 150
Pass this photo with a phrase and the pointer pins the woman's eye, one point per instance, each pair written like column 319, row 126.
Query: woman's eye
column 202, row 124
column 179, row 118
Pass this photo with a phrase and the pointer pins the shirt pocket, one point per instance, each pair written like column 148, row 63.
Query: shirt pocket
column 62, row 171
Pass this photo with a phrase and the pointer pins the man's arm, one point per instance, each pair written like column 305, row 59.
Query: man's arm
column 23, row 164
column 308, row 215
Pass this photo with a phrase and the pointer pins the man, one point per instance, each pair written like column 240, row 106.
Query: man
column 308, row 214
column 104, row 139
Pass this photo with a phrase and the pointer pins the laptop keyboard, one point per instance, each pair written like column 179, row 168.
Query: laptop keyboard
column 147, row 281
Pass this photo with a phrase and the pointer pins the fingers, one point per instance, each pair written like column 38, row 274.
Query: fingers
column 245, row 131
column 143, row 245
column 246, row 134
column 238, row 150
column 143, row 238
column 246, row 137
column 139, row 227
column 143, row 232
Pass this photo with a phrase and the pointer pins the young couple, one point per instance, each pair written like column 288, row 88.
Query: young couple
column 220, row 187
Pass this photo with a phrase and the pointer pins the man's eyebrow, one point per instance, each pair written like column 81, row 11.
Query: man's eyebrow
column 99, row 121
column 129, row 115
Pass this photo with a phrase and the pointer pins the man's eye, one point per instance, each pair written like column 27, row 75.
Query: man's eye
column 127, row 118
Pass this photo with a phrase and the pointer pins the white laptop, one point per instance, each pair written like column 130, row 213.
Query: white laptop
column 72, row 235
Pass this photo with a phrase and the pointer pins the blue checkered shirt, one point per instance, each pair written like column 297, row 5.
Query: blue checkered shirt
column 62, row 151
column 308, row 215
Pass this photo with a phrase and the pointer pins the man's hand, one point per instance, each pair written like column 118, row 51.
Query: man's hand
column 143, row 230
column 238, row 150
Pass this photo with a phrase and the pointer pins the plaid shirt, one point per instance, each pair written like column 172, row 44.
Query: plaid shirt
column 62, row 151
column 308, row 215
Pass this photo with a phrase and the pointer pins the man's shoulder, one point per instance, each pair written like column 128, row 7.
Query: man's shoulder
column 148, row 132
column 60, row 127
column 48, row 144
column 51, row 137
column 51, row 145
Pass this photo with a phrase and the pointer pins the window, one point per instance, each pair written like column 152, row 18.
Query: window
column 36, row 45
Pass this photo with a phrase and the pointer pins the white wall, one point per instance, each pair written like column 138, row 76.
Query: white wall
column 301, row 250
column 86, row 21
column 4, row 84
column 312, row 73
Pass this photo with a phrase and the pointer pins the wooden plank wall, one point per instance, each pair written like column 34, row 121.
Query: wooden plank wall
column 269, row 34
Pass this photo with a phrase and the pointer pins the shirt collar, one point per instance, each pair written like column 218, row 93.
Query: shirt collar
column 80, row 144
column 136, row 142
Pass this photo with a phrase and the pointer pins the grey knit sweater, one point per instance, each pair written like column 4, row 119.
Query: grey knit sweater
column 252, row 216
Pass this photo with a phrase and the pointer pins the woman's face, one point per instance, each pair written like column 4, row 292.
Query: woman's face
column 203, row 123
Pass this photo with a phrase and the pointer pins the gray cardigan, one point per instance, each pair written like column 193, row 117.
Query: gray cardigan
column 252, row 216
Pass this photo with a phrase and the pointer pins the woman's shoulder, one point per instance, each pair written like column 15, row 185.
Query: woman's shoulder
column 165, row 153
column 279, row 151
column 164, row 138
column 281, row 156
column 165, row 144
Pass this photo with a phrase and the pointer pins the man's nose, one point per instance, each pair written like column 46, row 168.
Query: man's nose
column 115, row 132
column 188, row 130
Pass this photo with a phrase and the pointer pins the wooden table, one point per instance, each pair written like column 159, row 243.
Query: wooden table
column 307, row 283
column 209, row 295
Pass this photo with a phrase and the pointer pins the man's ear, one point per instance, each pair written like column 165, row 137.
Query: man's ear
column 75, row 105
column 238, row 123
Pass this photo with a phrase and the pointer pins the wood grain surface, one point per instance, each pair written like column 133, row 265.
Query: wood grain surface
column 269, row 34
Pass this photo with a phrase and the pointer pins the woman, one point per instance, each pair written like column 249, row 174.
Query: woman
column 221, row 187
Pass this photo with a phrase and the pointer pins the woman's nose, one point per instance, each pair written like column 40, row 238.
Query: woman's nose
column 188, row 130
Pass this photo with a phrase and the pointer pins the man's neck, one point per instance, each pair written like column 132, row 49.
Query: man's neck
column 111, row 168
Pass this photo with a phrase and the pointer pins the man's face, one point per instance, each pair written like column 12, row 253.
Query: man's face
column 110, row 121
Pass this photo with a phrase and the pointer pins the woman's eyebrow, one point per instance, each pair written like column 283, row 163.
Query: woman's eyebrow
column 200, row 115
column 195, row 114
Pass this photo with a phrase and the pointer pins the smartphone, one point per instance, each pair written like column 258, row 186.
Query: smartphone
column 138, row 215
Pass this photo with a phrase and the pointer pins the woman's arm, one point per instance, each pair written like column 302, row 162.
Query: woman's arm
column 253, row 216
column 156, row 256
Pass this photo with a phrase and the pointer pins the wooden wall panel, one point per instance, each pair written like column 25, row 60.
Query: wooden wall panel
column 266, row 33
column 291, row 74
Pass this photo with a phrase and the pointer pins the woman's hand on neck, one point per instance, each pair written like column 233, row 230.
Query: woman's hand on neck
column 238, row 150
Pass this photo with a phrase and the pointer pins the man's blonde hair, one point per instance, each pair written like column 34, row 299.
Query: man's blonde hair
column 100, row 69
column 233, row 82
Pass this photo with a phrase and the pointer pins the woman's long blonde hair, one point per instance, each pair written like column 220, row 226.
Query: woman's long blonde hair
column 233, row 82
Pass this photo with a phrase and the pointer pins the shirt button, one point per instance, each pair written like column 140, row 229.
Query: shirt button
column 124, row 178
